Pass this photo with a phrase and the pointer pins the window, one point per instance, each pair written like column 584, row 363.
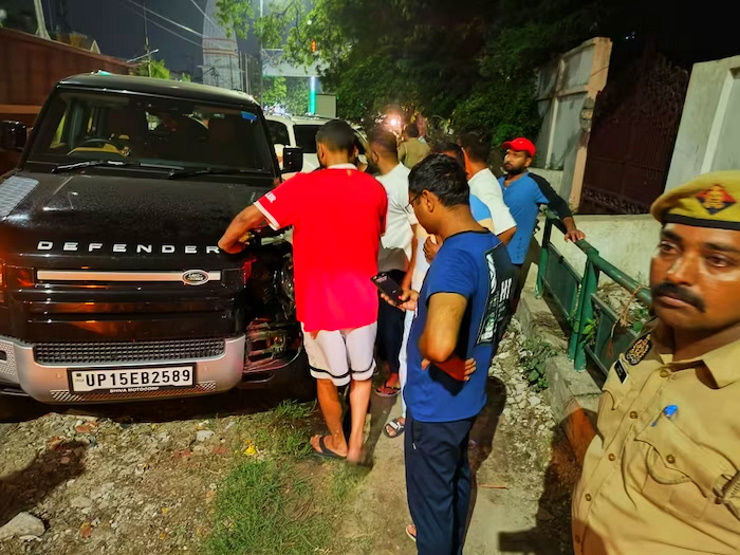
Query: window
column 93, row 126
column 279, row 132
column 305, row 137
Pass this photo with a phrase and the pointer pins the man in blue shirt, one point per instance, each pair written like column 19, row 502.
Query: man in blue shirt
column 461, row 313
column 524, row 193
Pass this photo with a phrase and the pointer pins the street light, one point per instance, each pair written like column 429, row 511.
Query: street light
column 148, row 54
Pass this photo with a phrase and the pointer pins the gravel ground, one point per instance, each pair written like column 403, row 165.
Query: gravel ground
column 135, row 479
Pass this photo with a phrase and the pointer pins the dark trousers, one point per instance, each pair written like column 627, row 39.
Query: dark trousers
column 438, row 483
column 517, row 286
column 390, row 328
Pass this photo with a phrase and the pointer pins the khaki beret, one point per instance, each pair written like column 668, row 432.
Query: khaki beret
column 709, row 200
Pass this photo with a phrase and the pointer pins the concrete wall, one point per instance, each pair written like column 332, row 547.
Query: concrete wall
column 555, row 177
column 628, row 242
column 709, row 134
column 565, row 93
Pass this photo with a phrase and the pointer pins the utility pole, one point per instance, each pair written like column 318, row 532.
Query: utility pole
column 247, row 87
column 261, row 59
column 146, row 40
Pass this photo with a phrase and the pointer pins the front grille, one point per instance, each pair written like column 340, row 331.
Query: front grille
column 139, row 351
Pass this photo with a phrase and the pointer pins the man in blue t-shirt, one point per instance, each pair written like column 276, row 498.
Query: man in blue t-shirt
column 524, row 193
column 461, row 313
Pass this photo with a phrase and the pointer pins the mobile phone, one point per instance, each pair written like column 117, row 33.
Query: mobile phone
column 388, row 287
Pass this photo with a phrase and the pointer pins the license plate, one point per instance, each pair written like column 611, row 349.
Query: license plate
column 131, row 380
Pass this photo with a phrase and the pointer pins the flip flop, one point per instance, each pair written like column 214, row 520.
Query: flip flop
column 411, row 534
column 397, row 428
column 386, row 391
column 326, row 452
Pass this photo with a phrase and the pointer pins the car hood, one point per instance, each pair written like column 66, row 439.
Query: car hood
column 58, row 217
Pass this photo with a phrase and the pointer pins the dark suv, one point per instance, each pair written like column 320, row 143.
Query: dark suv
column 112, row 285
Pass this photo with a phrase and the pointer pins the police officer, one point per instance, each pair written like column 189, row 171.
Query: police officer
column 663, row 473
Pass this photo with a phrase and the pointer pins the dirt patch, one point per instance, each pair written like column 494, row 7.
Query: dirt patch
column 125, row 484
column 525, row 472
column 148, row 478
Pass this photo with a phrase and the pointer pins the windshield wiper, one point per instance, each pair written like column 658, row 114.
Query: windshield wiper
column 110, row 164
column 182, row 173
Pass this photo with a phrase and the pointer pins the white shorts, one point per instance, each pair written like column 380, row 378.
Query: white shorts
column 343, row 355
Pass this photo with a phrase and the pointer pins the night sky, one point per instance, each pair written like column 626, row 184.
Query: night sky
column 118, row 27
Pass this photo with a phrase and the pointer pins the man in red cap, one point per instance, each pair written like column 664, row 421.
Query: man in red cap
column 524, row 193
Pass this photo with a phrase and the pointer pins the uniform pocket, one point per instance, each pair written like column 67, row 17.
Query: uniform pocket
column 680, row 473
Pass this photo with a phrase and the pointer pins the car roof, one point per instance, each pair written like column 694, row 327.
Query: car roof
column 150, row 85
column 307, row 120
column 299, row 120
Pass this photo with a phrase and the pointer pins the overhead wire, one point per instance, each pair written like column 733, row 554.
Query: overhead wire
column 204, row 13
column 156, row 24
column 167, row 19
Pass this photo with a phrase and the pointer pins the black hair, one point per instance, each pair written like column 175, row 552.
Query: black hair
column 455, row 148
column 477, row 144
column 337, row 136
column 412, row 130
column 443, row 176
column 384, row 139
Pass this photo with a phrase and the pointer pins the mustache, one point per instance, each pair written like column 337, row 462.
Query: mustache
column 668, row 289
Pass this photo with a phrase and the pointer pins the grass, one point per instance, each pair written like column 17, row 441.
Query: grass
column 275, row 500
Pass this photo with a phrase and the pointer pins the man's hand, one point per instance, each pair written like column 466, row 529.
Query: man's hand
column 431, row 247
column 237, row 235
column 470, row 366
column 408, row 302
column 574, row 235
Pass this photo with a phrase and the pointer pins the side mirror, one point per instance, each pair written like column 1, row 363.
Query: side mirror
column 292, row 159
column 13, row 136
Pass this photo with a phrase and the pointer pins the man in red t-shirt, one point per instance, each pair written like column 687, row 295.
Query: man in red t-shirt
column 338, row 216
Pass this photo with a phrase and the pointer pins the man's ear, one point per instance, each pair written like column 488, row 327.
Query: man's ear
column 528, row 161
column 429, row 200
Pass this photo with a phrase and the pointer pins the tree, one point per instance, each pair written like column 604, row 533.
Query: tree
column 153, row 68
column 472, row 62
column 235, row 16
column 274, row 92
column 297, row 97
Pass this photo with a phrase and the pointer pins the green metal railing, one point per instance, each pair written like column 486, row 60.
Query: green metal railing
column 597, row 332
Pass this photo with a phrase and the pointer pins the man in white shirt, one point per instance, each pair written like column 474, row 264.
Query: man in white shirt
column 484, row 185
column 396, row 249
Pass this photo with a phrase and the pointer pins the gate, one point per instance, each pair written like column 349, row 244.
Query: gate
column 635, row 123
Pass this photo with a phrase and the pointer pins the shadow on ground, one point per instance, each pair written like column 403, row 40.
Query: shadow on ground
column 26, row 488
column 551, row 533
column 484, row 429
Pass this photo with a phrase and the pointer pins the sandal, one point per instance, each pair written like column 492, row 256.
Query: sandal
column 386, row 391
column 394, row 428
column 411, row 532
column 324, row 451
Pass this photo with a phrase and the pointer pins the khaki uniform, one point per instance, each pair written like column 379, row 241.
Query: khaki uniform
column 661, row 476
column 412, row 151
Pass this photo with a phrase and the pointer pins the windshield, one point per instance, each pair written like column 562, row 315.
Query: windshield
column 305, row 137
column 80, row 126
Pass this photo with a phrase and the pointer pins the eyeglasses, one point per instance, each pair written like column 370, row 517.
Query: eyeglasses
column 413, row 200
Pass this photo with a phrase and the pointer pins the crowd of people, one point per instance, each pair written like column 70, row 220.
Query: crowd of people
column 450, row 241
